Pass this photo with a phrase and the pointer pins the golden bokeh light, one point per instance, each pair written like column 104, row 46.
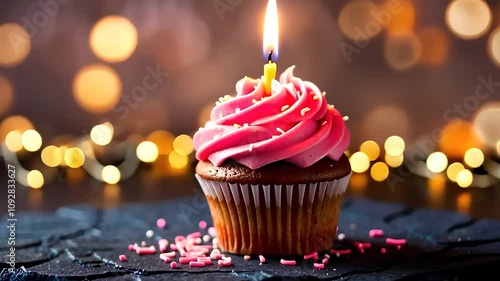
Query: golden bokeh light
column 13, row 141
column 15, row 44
column 102, row 134
column 437, row 162
column 394, row 145
column 494, row 46
column 402, row 51
column 463, row 202
column 51, row 156
column 164, row 141
column 31, row 140
column 356, row 20
column 458, row 129
column 379, row 171
column 360, row 162
column 113, row 39
column 485, row 122
column 183, row 144
column 468, row 19
column 371, row 149
column 111, row 174
column 474, row 157
column 394, row 161
column 435, row 46
column 15, row 122
column 97, row 88
column 147, row 151
column 358, row 183
column 404, row 21
column 35, row 179
column 464, row 178
column 177, row 161
column 74, row 157
column 453, row 170
column 6, row 94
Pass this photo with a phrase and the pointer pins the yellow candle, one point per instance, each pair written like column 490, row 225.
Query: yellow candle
column 269, row 75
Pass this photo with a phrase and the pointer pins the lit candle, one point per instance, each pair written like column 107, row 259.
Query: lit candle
column 270, row 46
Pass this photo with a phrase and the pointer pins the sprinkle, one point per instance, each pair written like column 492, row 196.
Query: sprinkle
column 163, row 243
column 198, row 241
column 161, row 223
column 135, row 246
column 122, row 258
column 285, row 107
column 331, row 106
column 280, row 130
column 206, row 238
column 169, row 254
column 325, row 261
column 131, row 247
column 202, row 225
column 237, row 126
column 143, row 243
column 214, row 253
column 194, row 235
column 262, row 259
column 224, row 263
column 274, row 136
column 315, row 98
column 324, row 123
column 173, row 247
column 219, row 256
column 311, row 255
column 237, row 109
column 185, row 260
column 205, row 260
column 327, row 256
column 224, row 258
column 304, row 110
column 395, row 242
column 288, row 262
column 212, row 232
column 150, row 233
column 376, row 233
column 319, row 265
column 173, row 265
column 345, row 118
column 164, row 258
column 217, row 103
column 341, row 236
column 254, row 101
column 323, row 94
column 383, row 251
column 399, row 247
column 245, row 124
column 145, row 250
column 340, row 252
column 247, row 257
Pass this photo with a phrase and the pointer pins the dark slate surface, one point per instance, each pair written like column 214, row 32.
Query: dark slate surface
column 83, row 243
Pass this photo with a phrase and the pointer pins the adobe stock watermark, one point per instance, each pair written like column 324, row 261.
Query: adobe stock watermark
column 224, row 6
column 426, row 144
column 380, row 19
column 11, row 217
column 48, row 9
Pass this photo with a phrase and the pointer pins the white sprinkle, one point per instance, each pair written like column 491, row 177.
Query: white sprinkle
column 197, row 241
column 212, row 232
column 331, row 106
column 206, row 238
column 327, row 256
column 250, row 147
column 337, row 254
column 324, row 94
column 238, row 109
column 280, row 130
column 304, row 110
column 345, row 118
column 285, row 107
column 254, row 101
column 237, row 126
column 143, row 244
column 341, row 236
column 214, row 253
column 215, row 242
column 150, row 233
column 324, row 123
column 217, row 103
column 245, row 124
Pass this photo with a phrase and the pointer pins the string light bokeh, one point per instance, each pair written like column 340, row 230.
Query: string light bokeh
column 465, row 153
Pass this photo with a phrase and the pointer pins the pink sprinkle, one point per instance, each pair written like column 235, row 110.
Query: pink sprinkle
column 262, row 259
column 145, row 250
column 224, row 258
column 376, row 233
column 311, row 255
column 179, row 239
column 206, row 260
column 122, row 258
column 161, row 223
column 173, row 265
column 247, row 257
column 288, row 262
column 383, row 251
column 319, row 265
column 164, row 258
column 173, row 247
column 219, row 256
column 212, row 232
column 196, row 253
column 395, row 242
column 202, row 224
column 131, row 247
column 337, row 229
column 224, row 263
column 185, row 260
column 325, row 261
column 194, row 235
column 341, row 252
column 399, row 247
column 196, row 264
column 163, row 244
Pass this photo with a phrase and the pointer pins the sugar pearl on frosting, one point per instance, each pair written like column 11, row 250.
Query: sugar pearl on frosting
column 237, row 109
column 254, row 101
column 237, row 126
column 345, row 118
column 315, row 98
column 323, row 94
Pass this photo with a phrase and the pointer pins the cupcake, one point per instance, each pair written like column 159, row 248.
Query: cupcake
column 273, row 168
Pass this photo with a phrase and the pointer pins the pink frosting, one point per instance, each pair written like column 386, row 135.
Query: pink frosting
column 293, row 124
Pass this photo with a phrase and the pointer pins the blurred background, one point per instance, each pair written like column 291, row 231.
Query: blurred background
column 99, row 99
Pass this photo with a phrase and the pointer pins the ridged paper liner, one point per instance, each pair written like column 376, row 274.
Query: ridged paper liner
column 271, row 219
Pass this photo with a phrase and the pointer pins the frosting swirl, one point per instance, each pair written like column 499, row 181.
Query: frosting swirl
column 293, row 124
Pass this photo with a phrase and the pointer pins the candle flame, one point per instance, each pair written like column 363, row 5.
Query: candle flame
column 271, row 31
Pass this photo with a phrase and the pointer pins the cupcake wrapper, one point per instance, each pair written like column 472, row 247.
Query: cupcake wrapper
column 273, row 219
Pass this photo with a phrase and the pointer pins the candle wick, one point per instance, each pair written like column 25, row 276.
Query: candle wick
column 270, row 56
